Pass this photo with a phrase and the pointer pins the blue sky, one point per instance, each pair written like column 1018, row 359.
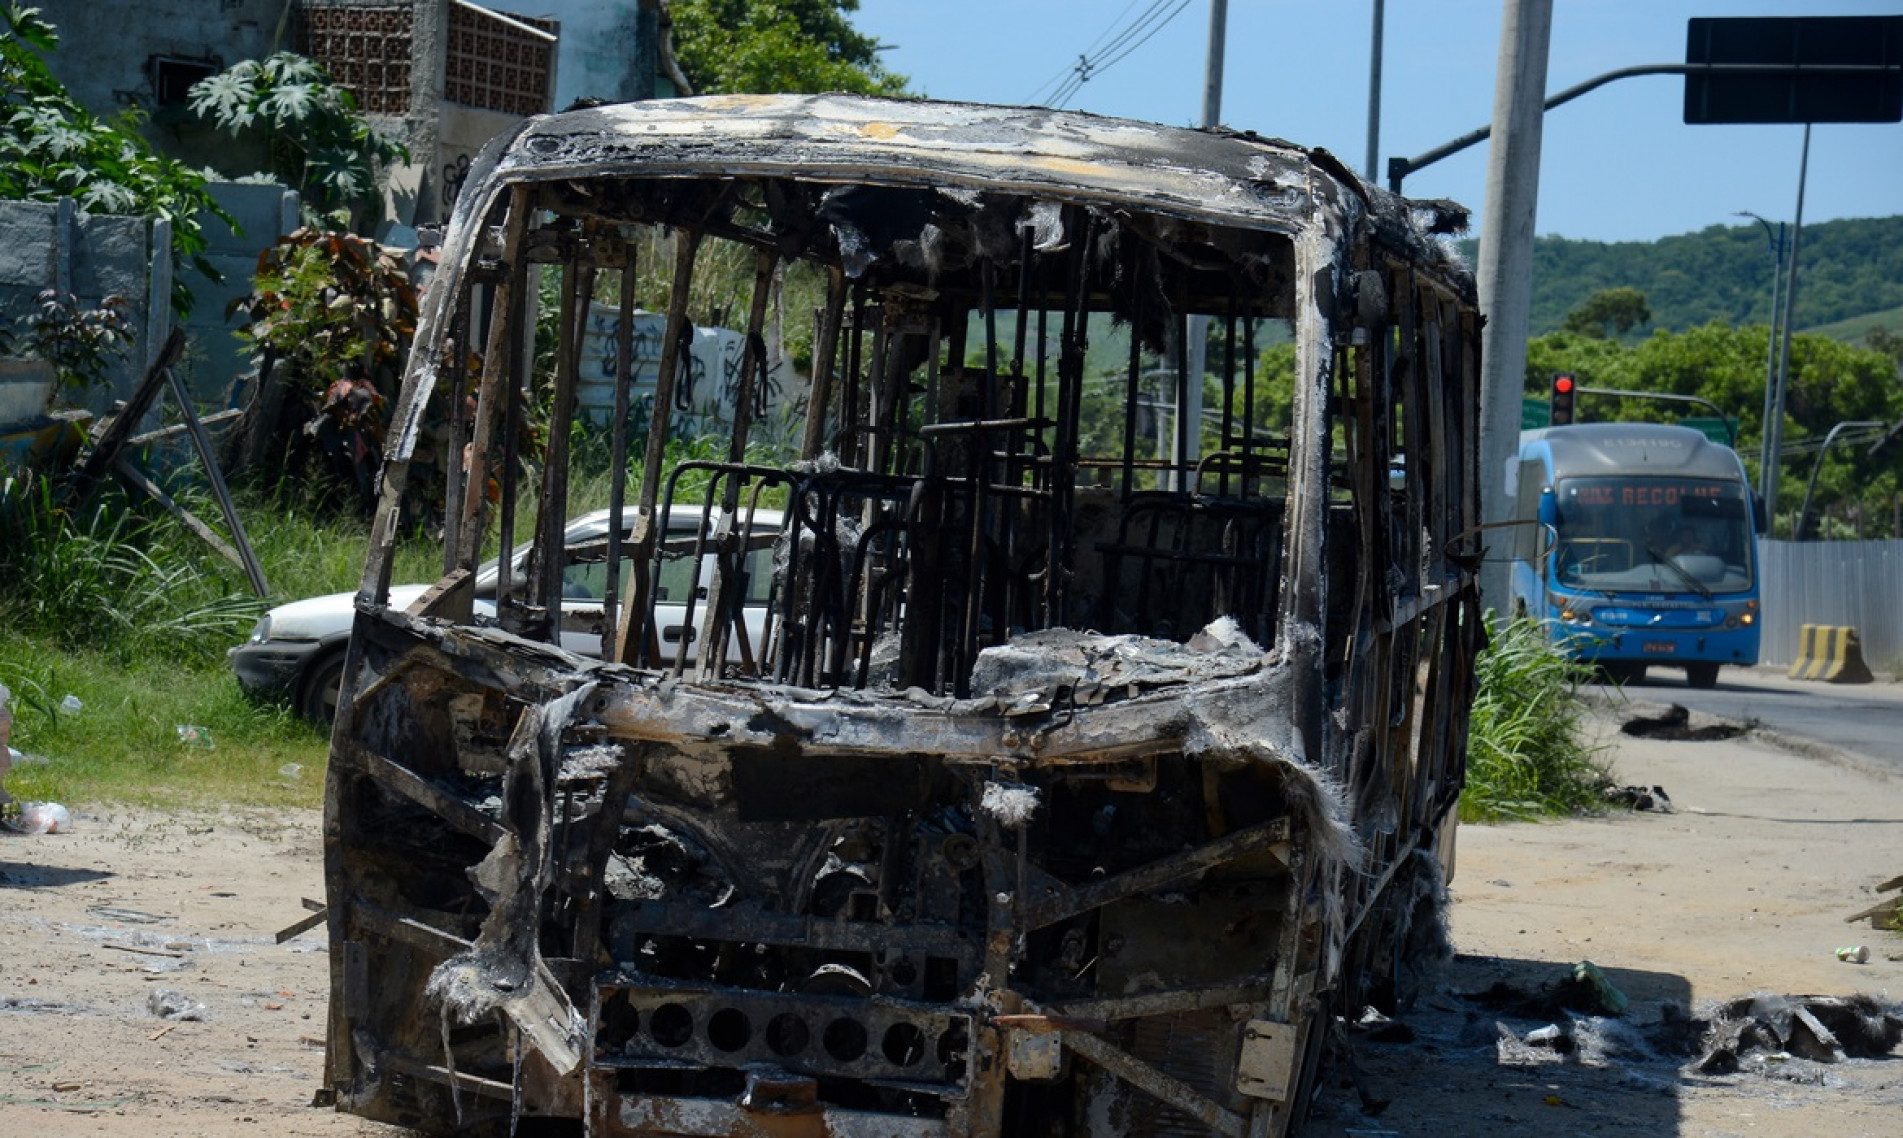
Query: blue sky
column 1618, row 164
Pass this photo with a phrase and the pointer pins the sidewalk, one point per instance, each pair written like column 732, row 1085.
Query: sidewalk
column 1743, row 890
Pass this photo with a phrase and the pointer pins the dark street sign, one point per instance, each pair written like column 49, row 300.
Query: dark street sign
column 1819, row 69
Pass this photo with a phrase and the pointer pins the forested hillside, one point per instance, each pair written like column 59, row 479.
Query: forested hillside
column 1846, row 269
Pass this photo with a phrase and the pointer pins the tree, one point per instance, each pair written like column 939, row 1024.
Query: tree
column 766, row 46
column 1830, row 382
column 52, row 148
column 1609, row 312
column 319, row 144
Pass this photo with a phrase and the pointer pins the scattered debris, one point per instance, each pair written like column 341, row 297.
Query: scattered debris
column 170, row 1003
column 1824, row 1029
column 1652, row 798
column 1675, row 724
column 144, row 951
column 43, row 818
column 1885, row 914
column 1377, row 1028
column 319, row 913
column 1584, row 988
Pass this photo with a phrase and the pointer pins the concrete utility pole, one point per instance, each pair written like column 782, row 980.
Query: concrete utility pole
column 1774, row 426
column 1188, row 445
column 1506, row 260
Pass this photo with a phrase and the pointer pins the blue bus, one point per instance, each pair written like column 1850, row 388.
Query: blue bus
column 1645, row 550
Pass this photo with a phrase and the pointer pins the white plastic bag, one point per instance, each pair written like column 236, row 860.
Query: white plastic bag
column 44, row 818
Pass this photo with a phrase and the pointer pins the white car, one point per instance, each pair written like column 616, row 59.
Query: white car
column 296, row 650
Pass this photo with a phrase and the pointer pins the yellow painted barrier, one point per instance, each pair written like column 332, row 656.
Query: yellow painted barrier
column 1831, row 653
column 1807, row 653
column 1846, row 664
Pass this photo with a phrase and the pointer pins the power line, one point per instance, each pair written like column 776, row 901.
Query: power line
column 1121, row 43
column 1045, row 93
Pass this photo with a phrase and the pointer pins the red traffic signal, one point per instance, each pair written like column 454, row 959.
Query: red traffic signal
column 1562, row 399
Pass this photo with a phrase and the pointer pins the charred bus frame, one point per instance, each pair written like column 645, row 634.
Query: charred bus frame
column 1089, row 758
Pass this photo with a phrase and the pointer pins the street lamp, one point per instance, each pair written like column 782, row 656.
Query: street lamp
column 1776, row 239
column 1803, row 515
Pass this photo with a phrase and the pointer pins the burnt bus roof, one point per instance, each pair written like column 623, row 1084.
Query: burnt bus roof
column 1232, row 178
column 1585, row 450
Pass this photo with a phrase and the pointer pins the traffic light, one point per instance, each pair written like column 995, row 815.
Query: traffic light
column 1562, row 399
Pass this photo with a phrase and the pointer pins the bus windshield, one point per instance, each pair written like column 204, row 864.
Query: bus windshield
column 1653, row 535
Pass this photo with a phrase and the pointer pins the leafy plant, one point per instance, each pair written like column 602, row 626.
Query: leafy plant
column 1527, row 756
column 330, row 316
column 319, row 143
column 80, row 343
column 52, row 148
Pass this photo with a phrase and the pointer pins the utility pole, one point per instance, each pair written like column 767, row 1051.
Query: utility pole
column 1373, row 167
column 1774, row 430
column 1776, row 239
column 1506, row 259
column 1189, row 404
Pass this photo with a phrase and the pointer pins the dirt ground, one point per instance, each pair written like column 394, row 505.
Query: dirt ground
column 1743, row 889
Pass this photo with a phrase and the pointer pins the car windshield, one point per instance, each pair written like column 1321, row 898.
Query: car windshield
column 586, row 579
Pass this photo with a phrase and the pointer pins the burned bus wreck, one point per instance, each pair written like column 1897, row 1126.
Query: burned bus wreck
column 1007, row 734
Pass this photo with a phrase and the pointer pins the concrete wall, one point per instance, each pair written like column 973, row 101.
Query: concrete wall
column 215, row 359
column 108, row 48
column 53, row 245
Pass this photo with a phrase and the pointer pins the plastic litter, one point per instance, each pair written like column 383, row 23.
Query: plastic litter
column 193, row 735
column 1606, row 999
column 43, row 818
column 71, row 704
column 1854, row 954
column 292, row 771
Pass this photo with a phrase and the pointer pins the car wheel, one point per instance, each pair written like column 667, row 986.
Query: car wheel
column 1701, row 675
column 317, row 701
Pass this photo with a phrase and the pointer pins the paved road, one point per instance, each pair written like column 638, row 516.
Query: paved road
column 1865, row 720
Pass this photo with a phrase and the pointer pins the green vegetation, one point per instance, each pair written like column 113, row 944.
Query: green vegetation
column 320, row 145
column 330, row 317
column 1527, row 757
column 1830, row 382
column 738, row 47
column 1846, row 268
column 131, row 617
column 52, row 148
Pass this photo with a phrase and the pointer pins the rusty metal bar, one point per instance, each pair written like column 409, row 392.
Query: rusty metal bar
column 1158, row 1085
column 825, row 362
column 638, row 602
column 497, row 385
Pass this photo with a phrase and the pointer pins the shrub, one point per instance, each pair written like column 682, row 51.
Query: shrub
column 1527, row 755
column 99, row 576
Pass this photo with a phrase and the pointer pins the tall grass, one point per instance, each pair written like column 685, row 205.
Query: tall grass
column 131, row 615
column 1527, row 752
column 99, row 576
